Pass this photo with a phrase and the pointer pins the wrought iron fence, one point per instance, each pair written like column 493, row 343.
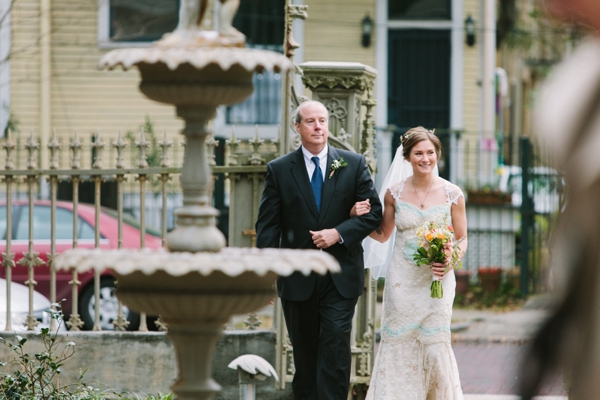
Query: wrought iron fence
column 514, row 197
column 123, row 193
column 100, row 193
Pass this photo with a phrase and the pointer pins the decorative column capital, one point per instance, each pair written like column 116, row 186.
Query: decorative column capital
column 338, row 75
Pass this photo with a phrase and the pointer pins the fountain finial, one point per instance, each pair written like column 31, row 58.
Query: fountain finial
column 189, row 32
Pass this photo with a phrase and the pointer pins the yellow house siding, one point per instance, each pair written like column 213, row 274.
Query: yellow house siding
column 333, row 31
column 85, row 97
column 471, row 74
column 82, row 97
column 24, row 62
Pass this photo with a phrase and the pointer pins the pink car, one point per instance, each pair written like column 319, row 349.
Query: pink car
column 64, row 241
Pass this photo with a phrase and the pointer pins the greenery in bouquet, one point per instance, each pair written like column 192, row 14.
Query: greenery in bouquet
column 437, row 245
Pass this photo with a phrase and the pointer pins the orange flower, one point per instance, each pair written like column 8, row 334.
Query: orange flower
column 429, row 237
column 440, row 236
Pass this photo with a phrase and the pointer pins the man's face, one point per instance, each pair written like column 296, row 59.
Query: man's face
column 314, row 127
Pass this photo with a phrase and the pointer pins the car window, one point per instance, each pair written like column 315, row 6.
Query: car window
column 514, row 183
column 41, row 225
column 86, row 231
column 3, row 223
column 548, row 183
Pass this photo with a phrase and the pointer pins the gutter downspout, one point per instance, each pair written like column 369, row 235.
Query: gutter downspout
column 45, row 91
column 487, row 134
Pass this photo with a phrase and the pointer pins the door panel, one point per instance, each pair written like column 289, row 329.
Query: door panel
column 419, row 82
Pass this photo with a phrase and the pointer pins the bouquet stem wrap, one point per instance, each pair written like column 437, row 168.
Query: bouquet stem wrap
column 437, row 289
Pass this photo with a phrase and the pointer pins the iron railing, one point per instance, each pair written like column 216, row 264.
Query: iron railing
column 134, row 182
column 124, row 193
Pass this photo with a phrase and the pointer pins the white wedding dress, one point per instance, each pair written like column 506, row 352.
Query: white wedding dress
column 415, row 360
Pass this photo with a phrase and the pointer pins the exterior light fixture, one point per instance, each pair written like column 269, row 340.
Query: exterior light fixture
column 367, row 30
column 470, row 31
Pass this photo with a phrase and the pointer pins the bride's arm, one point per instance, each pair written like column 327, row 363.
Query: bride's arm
column 385, row 230
column 459, row 223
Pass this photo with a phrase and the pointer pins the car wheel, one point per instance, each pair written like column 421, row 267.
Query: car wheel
column 109, row 307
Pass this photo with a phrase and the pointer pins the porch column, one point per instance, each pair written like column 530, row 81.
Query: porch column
column 344, row 87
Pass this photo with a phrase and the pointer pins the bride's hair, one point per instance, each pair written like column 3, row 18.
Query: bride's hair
column 416, row 135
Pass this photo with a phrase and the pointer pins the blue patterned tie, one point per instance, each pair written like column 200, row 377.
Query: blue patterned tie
column 317, row 182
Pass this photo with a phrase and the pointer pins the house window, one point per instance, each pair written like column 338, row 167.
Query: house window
column 262, row 21
column 136, row 21
column 431, row 10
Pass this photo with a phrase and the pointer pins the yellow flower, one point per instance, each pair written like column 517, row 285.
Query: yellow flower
column 440, row 236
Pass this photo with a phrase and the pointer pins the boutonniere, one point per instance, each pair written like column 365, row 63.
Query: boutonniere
column 335, row 165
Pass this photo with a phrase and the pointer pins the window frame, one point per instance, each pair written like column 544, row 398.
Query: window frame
column 104, row 40
column 267, row 131
column 449, row 19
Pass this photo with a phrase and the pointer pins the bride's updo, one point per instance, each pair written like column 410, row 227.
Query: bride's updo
column 416, row 135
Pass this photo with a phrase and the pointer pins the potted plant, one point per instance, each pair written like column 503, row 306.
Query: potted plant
column 490, row 278
column 488, row 195
column 462, row 280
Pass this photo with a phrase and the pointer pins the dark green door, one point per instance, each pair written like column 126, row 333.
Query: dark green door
column 419, row 82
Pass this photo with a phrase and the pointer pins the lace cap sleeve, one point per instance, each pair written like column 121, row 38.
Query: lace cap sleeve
column 396, row 190
column 453, row 193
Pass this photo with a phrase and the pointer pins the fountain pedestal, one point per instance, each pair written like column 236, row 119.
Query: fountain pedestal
column 197, row 293
column 198, row 285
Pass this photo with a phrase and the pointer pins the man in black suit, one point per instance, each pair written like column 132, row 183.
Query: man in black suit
column 306, row 205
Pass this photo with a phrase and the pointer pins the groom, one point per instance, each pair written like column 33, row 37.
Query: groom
column 306, row 204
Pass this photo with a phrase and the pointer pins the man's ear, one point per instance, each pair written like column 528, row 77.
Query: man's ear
column 297, row 126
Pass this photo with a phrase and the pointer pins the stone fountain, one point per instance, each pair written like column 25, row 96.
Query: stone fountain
column 197, row 284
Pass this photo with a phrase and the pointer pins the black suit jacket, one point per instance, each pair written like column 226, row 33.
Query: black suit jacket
column 288, row 212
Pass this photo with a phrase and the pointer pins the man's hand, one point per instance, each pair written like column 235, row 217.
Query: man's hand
column 325, row 238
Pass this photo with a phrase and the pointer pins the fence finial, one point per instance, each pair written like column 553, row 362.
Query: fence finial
column 75, row 146
column 142, row 145
column 233, row 144
column 165, row 144
column 98, row 146
column 256, row 142
column 120, row 144
column 54, row 146
column 9, row 146
column 31, row 147
column 210, row 144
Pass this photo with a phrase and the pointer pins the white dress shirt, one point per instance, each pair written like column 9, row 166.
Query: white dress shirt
column 310, row 168
column 310, row 165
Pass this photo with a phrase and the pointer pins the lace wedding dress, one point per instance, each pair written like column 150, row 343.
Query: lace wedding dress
column 415, row 360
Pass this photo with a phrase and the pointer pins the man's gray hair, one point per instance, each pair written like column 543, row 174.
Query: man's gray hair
column 298, row 115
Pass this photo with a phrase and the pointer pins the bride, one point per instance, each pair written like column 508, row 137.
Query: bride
column 415, row 360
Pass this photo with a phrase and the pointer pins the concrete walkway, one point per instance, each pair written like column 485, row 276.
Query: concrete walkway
column 489, row 346
column 491, row 326
column 507, row 397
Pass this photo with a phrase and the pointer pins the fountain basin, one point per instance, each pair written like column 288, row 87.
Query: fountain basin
column 183, row 285
column 187, row 76
column 197, row 293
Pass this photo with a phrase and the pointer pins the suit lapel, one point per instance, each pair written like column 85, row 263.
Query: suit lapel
column 298, row 169
column 329, row 184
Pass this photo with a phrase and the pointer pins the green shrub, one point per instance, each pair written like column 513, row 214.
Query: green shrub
column 37, row 376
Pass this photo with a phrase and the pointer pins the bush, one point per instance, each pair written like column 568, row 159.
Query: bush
column 38, row 377
column 507, row 297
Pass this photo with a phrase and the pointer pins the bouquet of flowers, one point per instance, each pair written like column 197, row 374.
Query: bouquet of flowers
column 437, row 245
